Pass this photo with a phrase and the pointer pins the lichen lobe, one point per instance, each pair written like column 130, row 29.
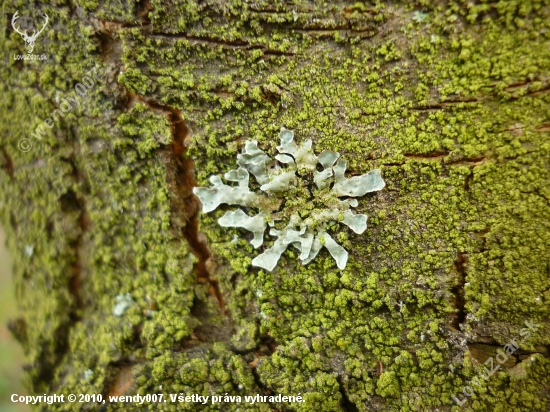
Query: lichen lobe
column 299, row 203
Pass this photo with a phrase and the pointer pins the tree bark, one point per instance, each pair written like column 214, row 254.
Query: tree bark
column 126, row 288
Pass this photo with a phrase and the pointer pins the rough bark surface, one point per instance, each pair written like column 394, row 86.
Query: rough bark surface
column 450, row 99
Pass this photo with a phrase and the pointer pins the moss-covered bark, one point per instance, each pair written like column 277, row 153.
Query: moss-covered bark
column 451, row 99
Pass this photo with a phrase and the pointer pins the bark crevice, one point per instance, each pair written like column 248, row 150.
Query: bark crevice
column 187, row 204
column 458, row 291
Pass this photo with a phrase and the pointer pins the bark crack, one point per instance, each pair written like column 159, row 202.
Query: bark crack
column 186, row 203
column 7, row 165
column 458, row 291
column 242, row 44
column 69, row 203
column 346, row 404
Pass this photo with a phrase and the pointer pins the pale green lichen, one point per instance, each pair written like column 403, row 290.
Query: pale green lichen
column 294, row 166
column 122, row 303
column 419, row 17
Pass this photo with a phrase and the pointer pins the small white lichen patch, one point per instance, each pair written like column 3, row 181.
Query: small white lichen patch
column 297, row 201
column 419, row 17
column 122, row 303
column 88, row 374
column 29, row 250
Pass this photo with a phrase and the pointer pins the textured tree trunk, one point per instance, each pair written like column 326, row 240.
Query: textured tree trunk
column 126, row 288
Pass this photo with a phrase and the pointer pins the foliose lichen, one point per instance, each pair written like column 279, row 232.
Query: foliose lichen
column 296, row 173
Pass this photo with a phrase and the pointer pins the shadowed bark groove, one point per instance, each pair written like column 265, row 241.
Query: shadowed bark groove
column 458, row 291
column 185, row 181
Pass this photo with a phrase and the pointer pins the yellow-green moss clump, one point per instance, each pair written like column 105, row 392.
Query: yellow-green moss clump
column 450, row 100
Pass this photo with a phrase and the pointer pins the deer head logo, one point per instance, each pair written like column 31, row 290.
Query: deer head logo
column 29, row 40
